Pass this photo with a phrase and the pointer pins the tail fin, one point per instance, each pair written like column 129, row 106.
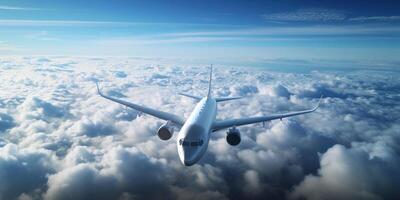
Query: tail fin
column 209, row 83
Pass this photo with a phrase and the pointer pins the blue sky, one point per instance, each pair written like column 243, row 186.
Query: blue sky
column 206, row 30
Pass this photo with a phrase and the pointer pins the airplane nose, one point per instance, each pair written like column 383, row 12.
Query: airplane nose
column 188, row 157
column 188, row 163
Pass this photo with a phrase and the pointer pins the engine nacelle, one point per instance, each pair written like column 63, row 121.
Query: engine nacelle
column 233, row 136
column 165, row 131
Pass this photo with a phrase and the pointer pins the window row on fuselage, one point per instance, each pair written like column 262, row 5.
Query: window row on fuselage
column 190, row 143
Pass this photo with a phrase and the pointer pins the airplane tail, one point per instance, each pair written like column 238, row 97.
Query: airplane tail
column 209, row 89
column 217, row 99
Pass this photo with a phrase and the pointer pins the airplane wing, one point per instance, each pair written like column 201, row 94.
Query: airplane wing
column 156, row 113
column 218, row 125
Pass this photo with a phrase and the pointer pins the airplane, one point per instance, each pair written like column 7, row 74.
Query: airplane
column 194, row 134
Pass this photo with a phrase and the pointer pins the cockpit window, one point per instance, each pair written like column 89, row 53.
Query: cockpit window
column 190, row 143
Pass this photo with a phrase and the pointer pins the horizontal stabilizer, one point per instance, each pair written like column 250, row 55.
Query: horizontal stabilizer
column 219, row 99
column 190, row 96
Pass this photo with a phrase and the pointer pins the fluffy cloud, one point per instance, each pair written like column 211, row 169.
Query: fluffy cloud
column 24, row 171
column 115, row 176
column 351, row 173
column 60, row 140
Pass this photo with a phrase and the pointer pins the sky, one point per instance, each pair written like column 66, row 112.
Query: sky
column 243, row 32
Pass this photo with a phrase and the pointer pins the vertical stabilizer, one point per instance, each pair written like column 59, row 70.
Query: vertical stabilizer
column 209, row 83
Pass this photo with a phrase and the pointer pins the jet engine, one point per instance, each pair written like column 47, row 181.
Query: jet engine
column 233, row 136
column 165, row 131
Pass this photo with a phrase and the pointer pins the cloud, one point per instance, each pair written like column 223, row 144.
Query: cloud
column 119, row 175
column 277, row 91
column 309, row 14
column 4, row 7
column 323, row 15
column 41, row 35
column 80, row 182
column 350, row 173
column 346, row 34
column 245, row 90
column 69, row 23
column 36, row 108
column 320, row 15
column 376, row 18
column 60, row 140
column 24, row 171
column 346, row 29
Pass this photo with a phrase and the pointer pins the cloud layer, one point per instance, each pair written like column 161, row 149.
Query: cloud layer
column 60, row 140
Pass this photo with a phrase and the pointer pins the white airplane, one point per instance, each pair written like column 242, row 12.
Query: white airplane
column 195, row 131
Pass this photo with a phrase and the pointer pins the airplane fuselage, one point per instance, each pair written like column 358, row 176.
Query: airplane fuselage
column 193, row 138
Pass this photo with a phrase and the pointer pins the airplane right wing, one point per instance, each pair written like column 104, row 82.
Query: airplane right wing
column 218, row 125
column 156, row 113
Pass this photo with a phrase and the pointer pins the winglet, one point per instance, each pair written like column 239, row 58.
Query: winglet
column 98, row 89
column 209, row 83
column 319, row 102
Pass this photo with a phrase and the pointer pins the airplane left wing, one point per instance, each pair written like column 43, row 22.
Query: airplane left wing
column 156, row 113
column 218, row 125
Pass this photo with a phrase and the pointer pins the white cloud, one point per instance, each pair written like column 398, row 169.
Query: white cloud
column 4, row 7
column 376, row 18
column 348, row 174
column 309, row 14
column 61, row 23
column 323, row 15
column 24, row 170
column 347, row 29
